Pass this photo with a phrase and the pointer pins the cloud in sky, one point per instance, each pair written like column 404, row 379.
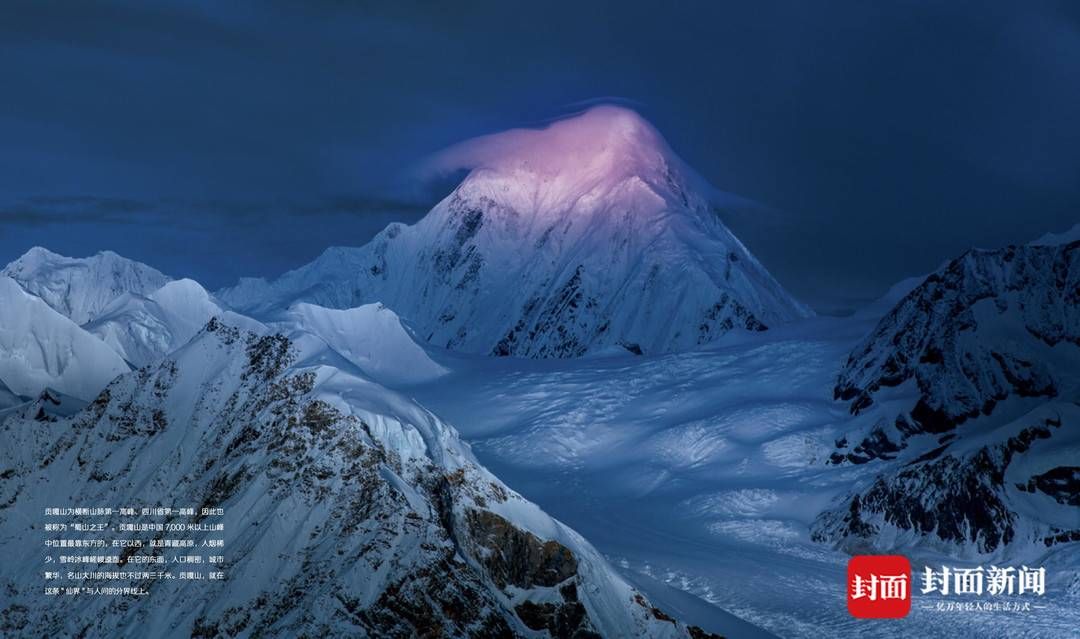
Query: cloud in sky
column 213, row 241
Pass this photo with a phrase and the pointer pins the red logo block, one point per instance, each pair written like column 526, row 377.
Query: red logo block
column 879, row 586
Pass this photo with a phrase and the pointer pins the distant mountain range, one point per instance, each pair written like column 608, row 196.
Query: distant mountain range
column 81, row 288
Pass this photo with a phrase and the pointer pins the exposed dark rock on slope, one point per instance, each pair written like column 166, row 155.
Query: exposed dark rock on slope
column 972, row 494
column 989, row 326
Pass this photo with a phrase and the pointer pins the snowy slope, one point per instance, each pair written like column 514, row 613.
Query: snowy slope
column 80, row 288
column 371, row 338
column 41, row 348
column 587, row 234
column 350, row 510
column 144, row 328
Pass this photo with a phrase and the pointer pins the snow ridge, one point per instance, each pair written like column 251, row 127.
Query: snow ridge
column 80, row 288
column 40, row 348
column 142, row 329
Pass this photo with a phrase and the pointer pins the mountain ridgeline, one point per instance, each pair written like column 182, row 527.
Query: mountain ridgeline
column 350, row 510
column 588, row 235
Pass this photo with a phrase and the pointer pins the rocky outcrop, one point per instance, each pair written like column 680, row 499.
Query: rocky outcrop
column 515, row 557
column 1062, row 483
column 968, row 496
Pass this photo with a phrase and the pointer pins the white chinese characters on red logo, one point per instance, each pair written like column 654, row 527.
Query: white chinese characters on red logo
column 879, row 586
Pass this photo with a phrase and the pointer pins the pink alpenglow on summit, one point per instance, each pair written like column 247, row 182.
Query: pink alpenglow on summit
column 598, row 149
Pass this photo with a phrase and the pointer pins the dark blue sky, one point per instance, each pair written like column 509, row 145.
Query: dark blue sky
column 214, row 141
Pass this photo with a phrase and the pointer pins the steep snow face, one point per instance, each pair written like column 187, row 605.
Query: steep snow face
column 41, row 348
column 988, row 326
column 80, row 288
column 143, row 328
column 370, row 337
column 587, row 234
column 353, row 511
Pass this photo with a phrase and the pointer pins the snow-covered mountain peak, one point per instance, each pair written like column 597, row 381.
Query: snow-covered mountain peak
column 593, row 139
column 143, row 328
column 181, row 288
column 37, row 254
column 81, row 288
column 584, row 235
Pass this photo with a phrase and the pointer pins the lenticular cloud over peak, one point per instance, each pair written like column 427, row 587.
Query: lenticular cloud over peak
column 604, row 143
column 581, row 137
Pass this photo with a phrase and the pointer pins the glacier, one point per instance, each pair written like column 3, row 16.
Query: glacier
column 707, row 473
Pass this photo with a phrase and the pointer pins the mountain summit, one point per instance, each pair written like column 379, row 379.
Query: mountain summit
column 81, row 288
column 587, row 234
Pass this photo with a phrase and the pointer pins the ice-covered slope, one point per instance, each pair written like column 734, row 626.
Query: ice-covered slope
column 143, row 328
column 370, row 337
column 352, row 511
column 587, row 234
column 41, row 348
column 80, row 288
